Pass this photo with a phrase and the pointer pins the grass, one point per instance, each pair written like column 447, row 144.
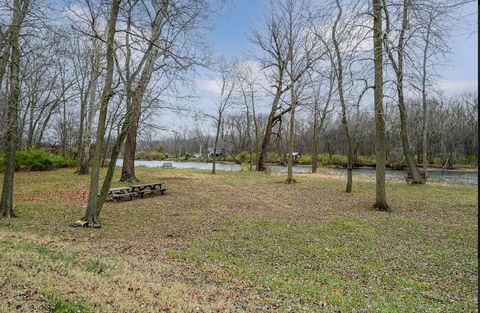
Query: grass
column 240, row 242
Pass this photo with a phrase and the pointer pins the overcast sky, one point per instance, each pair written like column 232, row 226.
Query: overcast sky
column 238, row 18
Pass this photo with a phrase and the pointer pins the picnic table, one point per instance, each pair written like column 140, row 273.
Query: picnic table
column 143, row 189
column 423, row 177
column 121, row 192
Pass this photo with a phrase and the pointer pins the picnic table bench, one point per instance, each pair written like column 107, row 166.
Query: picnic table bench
column 167, row 165
column 422, row 174
column 121, row 192
column 143, row 189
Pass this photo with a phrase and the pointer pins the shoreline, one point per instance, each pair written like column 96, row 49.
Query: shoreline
column 435, row 168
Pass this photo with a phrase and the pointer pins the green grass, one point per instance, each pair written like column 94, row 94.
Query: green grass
column 349, row 263
column 59, row 305
column 305, row 247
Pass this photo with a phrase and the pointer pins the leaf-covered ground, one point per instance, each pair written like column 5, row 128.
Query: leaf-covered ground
column 240, row 242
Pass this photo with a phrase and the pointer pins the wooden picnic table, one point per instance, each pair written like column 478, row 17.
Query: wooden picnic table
column 143, row 189
column 121, row 192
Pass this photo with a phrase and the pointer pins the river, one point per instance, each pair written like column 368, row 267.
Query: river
column 449, row 176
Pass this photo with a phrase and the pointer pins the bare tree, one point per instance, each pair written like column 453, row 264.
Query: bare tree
column 136, row 92
column 398, row 67
column 91, row 215
column 433, row 21
column 340, row 89
column 380, row 194
column 343, row 42
column 320, row 113
column 303, row 53
column 90, row 108
column 274, row 46
column 171, row 49
column 20, row 10
column 248, row 87
column 227, row 83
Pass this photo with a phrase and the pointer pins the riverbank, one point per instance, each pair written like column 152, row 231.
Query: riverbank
column 431, row 167
column 454, row 176
column 240, row 241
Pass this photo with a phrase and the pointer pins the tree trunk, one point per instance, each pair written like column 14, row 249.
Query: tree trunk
column 128, row 166
column 315, row 140
column 380, row 195
column 113, row 160
column 291, row 136
column 84, row 153
column 82, row 123
column 424, row 100
column 255, row 126
column 252, row 145
column 91, row 214
column 6, row 203
column 219, row 123
column 407, row 151
column 398, row 68
column 348, row 188
column 64, row 129
column 31, row 129
column 262, row 158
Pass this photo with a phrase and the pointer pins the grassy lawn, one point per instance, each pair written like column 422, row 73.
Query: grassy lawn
column 240, row 242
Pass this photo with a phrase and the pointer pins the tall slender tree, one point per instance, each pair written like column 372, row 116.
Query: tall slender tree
column 272, row 43
column 227, row 85
column 338, row 64
column 320, row 113
column 91, row 214
column 398, row 67
column 380, row 194
column 20, row 10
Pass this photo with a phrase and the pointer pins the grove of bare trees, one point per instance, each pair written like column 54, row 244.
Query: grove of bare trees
column 349, row 79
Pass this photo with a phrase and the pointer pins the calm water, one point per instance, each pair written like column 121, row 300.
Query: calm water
column 460, row 177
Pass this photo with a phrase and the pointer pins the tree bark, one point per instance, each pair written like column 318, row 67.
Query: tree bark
column 380, row 194
column 128, row 166
column 255, row 126
column 398, row 68
column 215, row 145
column 113, row 160
column 6, row 203
column 262, row 159
column 339, row 75
column 91, row 214
column 84, row 153
column 291, row 136
column 424, row 100
column 315, row 139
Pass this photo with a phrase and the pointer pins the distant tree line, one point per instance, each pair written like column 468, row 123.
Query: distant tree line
column 452, row 137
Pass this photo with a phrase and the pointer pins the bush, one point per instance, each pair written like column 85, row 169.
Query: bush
column 305, row 159
column 366, row 160
column 150, row 156
column 471, row 159
column 33, row 160
column 60, row 161
column 40, row 160
column 245, row 167
column 243, row 157
column 273, row 157
column 229, row 158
